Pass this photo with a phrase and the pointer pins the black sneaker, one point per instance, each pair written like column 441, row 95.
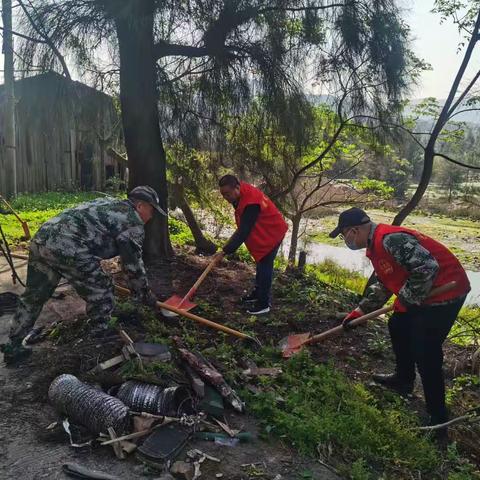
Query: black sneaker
column 14, row 352
column 394, row 383
column 258, row 309
column 250, row 297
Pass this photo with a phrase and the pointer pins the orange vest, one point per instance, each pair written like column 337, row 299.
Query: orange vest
column 393, row 275
column 270, row 227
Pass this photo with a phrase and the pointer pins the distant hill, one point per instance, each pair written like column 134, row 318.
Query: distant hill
column 467, row 117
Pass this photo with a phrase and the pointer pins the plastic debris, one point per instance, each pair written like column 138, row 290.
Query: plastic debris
column 227, row 442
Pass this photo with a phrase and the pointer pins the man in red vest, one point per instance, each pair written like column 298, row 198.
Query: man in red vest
column 409, row 265
column 261, row 227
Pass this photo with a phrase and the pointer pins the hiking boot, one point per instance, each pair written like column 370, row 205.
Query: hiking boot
column 392, row 382
column 250, row 297
column 259, row 309
column 14, row 352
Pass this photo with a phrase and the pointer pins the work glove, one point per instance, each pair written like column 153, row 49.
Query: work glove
column 150, row 299
column 220, row 254
column 357, row 313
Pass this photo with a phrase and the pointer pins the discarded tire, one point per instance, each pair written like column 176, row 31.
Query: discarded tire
column 145, row 397
column 87, row 405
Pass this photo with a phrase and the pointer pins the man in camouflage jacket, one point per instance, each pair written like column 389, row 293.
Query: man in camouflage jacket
column 409, row 265
column 71, row 245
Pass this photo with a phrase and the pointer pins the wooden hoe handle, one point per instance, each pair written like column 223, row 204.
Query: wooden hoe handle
column 201, row 278
column 191, row 316
column 358, row 321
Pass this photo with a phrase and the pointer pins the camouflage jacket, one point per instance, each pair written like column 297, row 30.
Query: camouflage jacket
column 417, row 260
column 99, row 229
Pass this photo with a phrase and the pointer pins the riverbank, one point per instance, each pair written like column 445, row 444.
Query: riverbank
column 462, row 236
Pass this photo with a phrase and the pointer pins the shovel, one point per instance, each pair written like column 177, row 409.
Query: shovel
column 26, row 230
column 185, row 303
column 196, row 318
column 294, row 343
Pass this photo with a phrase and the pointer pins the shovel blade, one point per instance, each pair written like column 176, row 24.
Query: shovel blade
column 293, row 344
column 176, row 301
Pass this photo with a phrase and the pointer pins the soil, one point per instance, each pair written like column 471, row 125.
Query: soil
column 29, row 451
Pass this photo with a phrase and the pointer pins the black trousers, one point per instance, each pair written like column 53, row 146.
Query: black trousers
column 264, row 277
column 417, row 338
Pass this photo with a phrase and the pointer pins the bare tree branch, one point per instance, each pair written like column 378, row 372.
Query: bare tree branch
column 456, row 162
column 46, row 39
column 464, row 94
column 26, row 37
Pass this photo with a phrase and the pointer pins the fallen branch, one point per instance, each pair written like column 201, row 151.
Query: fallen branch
column 440, row 426
column 130, row 436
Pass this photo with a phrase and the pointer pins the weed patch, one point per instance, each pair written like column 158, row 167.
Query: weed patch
column 317, row 409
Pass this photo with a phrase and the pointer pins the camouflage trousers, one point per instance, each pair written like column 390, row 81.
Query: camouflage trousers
column 45, row 268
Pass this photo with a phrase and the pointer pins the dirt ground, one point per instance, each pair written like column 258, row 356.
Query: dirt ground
column 29, row 451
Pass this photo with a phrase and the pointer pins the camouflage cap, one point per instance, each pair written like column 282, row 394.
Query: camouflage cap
column 147, row 194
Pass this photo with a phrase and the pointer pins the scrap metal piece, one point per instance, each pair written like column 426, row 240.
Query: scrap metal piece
column 146, row 397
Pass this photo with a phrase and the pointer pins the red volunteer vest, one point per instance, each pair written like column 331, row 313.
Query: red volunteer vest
column 270, row 227
column 393, row 275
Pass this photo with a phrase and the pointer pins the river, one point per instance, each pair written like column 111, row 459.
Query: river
column 356, row 260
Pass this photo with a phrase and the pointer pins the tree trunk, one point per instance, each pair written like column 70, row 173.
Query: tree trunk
column 10, row 138
column 292, row 253
column 139, row 100
column 443, row 118
column 202, row 244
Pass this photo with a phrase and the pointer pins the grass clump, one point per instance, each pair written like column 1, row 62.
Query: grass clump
column 180, row 234
column 319, row 407
column 330, row 272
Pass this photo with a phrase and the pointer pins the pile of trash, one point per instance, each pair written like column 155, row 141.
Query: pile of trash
column 153, row 421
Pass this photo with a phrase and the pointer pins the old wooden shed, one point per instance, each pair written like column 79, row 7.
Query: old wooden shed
column 63, row 131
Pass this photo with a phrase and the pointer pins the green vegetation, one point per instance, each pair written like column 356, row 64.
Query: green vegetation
column 36, row 209
column 321, row 410
column 331, row 273
column 364, row 433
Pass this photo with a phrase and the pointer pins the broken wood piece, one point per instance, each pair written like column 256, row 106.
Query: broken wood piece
column 130, row 436
column 141, row 423
column 130, row 347
column 128, row 447
column 197, row 384
column 116, row 446
column 256, row 371
column 198, row 453
column 226, row 428
column 212, row 376
column 112, row 362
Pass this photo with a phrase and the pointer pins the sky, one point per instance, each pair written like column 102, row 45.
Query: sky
column 433, row 42
column 437, row 44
